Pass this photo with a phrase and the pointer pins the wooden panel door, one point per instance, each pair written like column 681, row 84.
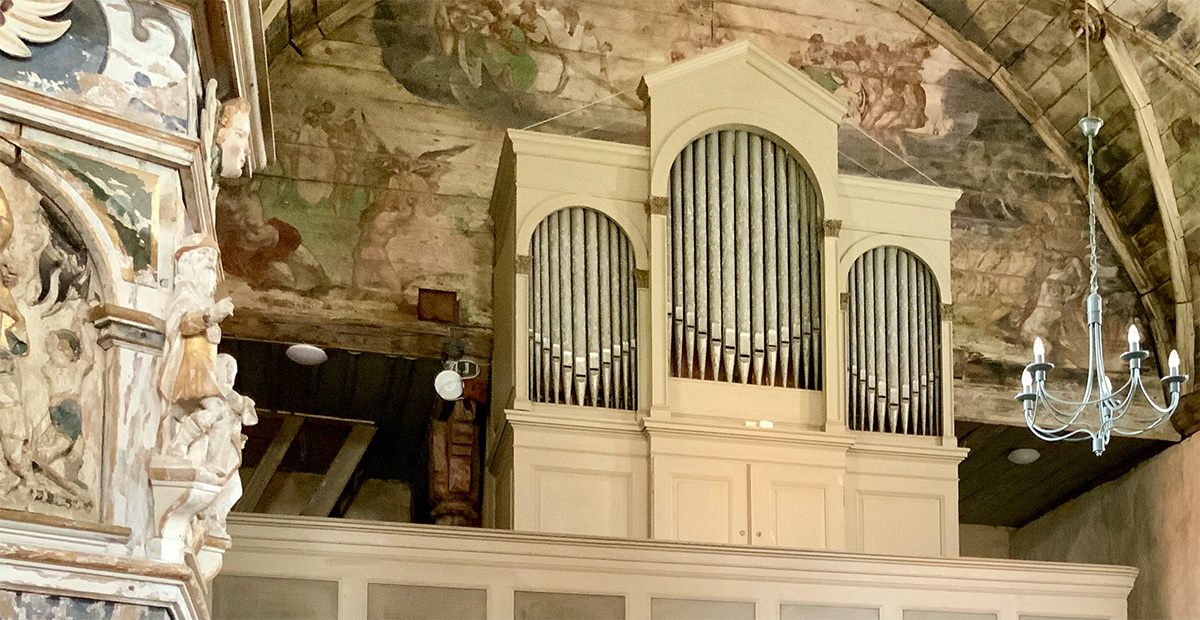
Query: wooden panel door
column 700, row 500
column 789, row 506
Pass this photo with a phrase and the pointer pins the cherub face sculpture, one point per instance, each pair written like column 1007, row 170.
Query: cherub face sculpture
column 233, row 137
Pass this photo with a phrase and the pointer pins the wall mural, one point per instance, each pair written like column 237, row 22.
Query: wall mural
column 33, row 606
column 132, row 59
column 390, row 129
column 134, row 199
column 50, row 391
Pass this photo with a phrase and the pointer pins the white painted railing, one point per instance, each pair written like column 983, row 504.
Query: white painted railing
column 352, row 570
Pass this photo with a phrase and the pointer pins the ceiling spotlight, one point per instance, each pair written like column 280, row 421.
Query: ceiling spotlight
column 1024, row 456
column 448, row 384
column 306, row 354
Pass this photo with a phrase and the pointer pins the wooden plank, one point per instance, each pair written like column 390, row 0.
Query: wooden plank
column 340, row 471
column 1164, row 192
column 265, row 470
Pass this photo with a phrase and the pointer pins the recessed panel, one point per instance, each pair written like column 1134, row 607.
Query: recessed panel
column 824, row 612
column 561, row 606
column 797, row 516
column 268, row 598
column 702, row 509
column 901, row 524
column 912, row 614
column 401, row 602
column 593, row 503
column 694, row 609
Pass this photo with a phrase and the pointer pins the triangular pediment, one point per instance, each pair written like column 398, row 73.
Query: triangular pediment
column 710, row 67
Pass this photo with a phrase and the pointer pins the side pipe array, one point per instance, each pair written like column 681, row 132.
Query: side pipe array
column 582, row 312
column 893, row 345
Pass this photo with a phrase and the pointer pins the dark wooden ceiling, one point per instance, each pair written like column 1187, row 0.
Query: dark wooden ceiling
column 995, row 491
column 394, row 393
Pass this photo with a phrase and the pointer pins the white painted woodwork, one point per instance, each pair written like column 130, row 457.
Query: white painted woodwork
column 701, row 460
column 781, row 583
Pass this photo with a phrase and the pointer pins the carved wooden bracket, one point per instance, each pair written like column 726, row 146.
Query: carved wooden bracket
column 833, row 228
column 118, row 325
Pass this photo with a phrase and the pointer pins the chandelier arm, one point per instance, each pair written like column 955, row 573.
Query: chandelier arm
column 1055, row 435
column 1169, row 409
column 1047, row 402
column 1132, row 433
column 1065, row 420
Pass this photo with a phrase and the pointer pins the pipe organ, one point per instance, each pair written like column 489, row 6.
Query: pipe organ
column 582, row 312
column 745, row 252
column 673, row 359
column 893, row 344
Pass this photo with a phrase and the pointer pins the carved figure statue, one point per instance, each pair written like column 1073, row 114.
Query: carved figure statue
column 233, row 137
column 189, row 371
column 13, row 434
column 224, row 442
column 12, row 323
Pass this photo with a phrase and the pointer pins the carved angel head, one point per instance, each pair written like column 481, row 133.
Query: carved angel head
column 233, row 137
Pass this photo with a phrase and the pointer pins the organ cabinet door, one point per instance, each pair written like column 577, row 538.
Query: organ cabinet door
column 700, row 500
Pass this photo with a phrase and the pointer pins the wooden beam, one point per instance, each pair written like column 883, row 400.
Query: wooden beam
column 340, row 471
column 971, row 54
column 333, row 21
column 398, row 334
column 1172, row 58
column 1164, row 193
column 265, row 470
column 272, row 10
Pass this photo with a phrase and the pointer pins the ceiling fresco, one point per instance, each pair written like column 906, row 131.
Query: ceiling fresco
column 390, row 123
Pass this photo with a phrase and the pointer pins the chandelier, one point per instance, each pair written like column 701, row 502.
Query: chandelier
column 1097, row 415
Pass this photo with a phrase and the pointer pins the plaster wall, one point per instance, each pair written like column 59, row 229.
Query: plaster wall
column 984, row 541
column 1145, row 519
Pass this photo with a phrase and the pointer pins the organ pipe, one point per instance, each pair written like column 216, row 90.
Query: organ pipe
column 893, row 371
column 744, row 230
column 582, row 312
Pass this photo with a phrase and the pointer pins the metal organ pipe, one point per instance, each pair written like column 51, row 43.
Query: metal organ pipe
column 745, row 226
column 582, row 311
column 893, row 344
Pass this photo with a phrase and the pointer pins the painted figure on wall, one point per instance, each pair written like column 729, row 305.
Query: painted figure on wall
column 12, row 323
column 266, row 252
column 508, row 62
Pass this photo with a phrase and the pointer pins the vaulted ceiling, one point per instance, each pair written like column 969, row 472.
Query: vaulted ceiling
column 1146, row 87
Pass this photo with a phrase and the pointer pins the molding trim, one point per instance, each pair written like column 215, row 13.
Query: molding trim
column 313, row 537
column 810, row 439
column 121, row 326
column 571, row 148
